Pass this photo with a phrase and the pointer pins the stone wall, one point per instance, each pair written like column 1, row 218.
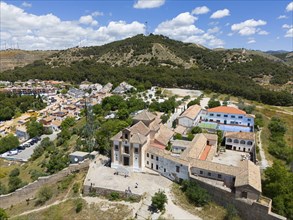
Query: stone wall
column 29, row 191
column 247, row 209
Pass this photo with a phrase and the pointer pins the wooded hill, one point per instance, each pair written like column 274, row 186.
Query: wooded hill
column 165, row 62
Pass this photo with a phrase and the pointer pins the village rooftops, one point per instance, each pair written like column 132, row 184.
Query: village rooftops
column 140, row 128
column 144, row 116
column 191, row 112
column 227, row 109
column 241, row 135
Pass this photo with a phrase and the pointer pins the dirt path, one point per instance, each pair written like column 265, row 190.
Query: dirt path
column 263, row 163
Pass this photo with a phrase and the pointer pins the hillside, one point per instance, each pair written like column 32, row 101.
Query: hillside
column 9, row 59
column 286, row 57
column 166, row 62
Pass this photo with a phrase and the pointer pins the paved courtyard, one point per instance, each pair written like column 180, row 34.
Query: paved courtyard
column 103, row 177
column 229, row 157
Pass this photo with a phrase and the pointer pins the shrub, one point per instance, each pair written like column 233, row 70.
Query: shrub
column 195, row 194
column 75, row 187
column 3, row 214
column 159, row 200
column 14, row 172
column 79, row 205
column 114, row 196
column 44, row 194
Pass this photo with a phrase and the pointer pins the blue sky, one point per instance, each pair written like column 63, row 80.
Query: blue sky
column 260, row 25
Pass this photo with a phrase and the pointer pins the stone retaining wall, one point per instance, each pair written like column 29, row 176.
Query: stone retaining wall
column 29, row 191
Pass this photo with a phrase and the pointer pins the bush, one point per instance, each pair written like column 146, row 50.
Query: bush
column 114, row 196
column 79, row 205
column 75, row 187
column 195, row 194
column 3, row 214
column 232, row 213
column 159, row 200
column 196, row 130
column 178, row 136
column 15, row 183
column 44, row 194
column 14, row 172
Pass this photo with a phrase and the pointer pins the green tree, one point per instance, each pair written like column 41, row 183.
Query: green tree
column 35, row 128
column 8, row 142
column 14, row 183
column 159, row 200
column 278, row 185
column 14, row 172
column 194, row 193
column 196, row 130
column 3, row 189
column 213, row 103
column 67, row 123
column 277, row 126
column 123, row 114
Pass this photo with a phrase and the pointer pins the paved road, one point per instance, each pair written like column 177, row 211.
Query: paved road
column 27, row 152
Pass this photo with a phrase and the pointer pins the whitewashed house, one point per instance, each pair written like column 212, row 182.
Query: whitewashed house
column 240, row 141
column 190, row 117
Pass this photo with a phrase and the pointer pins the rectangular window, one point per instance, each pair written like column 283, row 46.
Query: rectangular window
column 126, row 150
column 201, row 172
column 209, row 174
column 116, row 147
column 147, row 162
column 148, row 155
column 152, row 156
column 226, row 116
column 211, row 114
column 219, row 176
column 126, row 136
column 218, row 121
column 157, row 158
column 249, row 119
column 232, row 116
column 218, row 115
column 240, row 116
column 177, row 169
column 157, row 167
column 136, row 150
column 164, row 170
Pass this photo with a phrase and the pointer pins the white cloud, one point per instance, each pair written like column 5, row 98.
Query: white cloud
column 287, row 26
column 248, row 27
column 182, row 28
column 141, row 4
column 26, row 5
column 44, row 32
column 282, row 17
column 289, row 7
column 220, row 13
column 251, row 41
column 289, row 32
column 214, row 30
column 88, row 19
column 230, row 34
column 200, row 10
column 97, row 13
column 261, row 32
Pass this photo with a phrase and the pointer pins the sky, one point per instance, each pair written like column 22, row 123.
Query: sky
column 61, row 24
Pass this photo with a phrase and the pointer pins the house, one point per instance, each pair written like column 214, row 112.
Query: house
column 21, row 133
column 47, row 120
column 240, row 141
column 76, row 93
column 78, row 156
column 123, row 87
column 229, row 119
column 190, row 117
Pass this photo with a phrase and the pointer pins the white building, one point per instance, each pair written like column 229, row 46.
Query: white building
column 190, row 117
column 230, row 119
column 240, row 141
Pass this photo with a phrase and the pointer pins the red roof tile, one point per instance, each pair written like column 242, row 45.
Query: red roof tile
column 226, row 109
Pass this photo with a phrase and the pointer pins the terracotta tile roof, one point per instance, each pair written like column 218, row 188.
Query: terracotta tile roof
column 249, row 175
column 205, row 153
column 165, row 134
column 227, row 109
column 191, row 112
column 241, row 135
column 140, row 128
column 180, row 129
column 56, row 123
column 181, row 143
column 117, row 137
column 197, row 146
column 138, row 138
column 155, row 125
column 144, row 116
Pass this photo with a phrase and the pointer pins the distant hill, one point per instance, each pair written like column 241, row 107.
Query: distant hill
column 285, row 56
column 9, row 59
column 165, row 62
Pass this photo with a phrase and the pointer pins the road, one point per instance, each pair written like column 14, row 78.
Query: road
column 27, row 152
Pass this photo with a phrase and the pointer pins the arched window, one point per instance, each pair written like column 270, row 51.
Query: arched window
column 236, row 141
column 229, row 140
column 249, row 142
column 242, row 142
